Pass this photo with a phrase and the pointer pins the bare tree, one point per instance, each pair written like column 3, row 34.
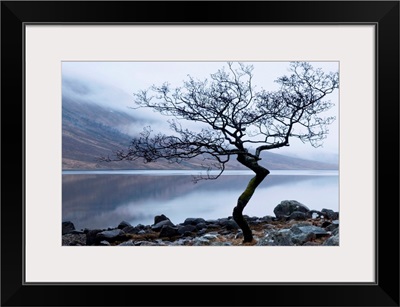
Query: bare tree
column 236, row 120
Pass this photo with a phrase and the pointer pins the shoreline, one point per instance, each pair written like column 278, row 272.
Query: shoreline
column 293, row 225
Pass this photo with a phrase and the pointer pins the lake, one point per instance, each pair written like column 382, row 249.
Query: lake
column 101, row 199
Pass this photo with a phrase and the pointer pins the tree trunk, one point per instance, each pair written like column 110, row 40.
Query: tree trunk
column 244, row 198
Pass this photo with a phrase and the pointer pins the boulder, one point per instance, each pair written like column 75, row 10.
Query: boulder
column 159, row 225
column 303, row 238
column 130, row 229
column 110, row 235
column 67, row 227
column 287, row 207
column 193, row 221
column 332, row 241
column 297, row 216
column 307, row 229
column 200, row 226
column 160, row 218
column 168, row 231
column 330, row 214
column 228, row 224
column 333, row 225
column 123, row 224
column 186, row 229
column 282, row 238
column 91, row 236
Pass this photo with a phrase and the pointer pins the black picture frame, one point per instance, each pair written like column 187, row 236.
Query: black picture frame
column 383, row 14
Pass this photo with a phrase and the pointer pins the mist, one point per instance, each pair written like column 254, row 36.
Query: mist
column 112, row 85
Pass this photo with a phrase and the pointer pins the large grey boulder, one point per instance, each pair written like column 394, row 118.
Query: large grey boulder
column 287, row 207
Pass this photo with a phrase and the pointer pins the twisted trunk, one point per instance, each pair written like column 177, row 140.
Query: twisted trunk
column 244, row 198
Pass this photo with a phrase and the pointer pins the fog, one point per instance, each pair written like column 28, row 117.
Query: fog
column 112, row 84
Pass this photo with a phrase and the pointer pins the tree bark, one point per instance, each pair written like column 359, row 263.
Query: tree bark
column 245, row 197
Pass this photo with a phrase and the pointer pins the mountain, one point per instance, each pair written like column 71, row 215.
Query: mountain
column 90, row 130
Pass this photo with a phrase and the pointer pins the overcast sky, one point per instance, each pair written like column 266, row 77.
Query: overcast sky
column 113, row 83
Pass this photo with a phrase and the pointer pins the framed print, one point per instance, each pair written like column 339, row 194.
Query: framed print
column 110, row 109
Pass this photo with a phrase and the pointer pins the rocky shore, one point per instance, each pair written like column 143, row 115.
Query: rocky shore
column 293, row 225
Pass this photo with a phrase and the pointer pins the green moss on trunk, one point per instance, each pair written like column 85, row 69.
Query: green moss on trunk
column 245, row 197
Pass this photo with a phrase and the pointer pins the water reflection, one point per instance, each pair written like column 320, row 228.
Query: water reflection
column 100, row 201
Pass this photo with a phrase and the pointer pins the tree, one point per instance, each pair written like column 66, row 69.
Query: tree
column 235, row 120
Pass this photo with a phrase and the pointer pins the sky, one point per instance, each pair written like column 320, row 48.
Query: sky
column 112, row 84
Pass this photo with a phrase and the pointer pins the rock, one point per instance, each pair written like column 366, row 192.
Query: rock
column 268, row 231
column 127, row 243
column 201, row 241
column 168, row 231
column 110, row 235
column 187, row 228
column 239, row 235
column 335, row 232
column 193, row 221
column 210, row 236
column 318, row 231
column 91, row 236
column 282, row 237
column 200, row 226
column 221, row 243
column 201, row 232
column 287, row 207
column 267, row 219
column 332, row 241
column 160, row 218
column 67, row 227
column 330, row 214
column 188, row 234
column 303, row 238
column 287, row 237
column 325, row 224
column 314, row 214
column 265, row 241
column 159, row 225
column 311, row 244
column 229, row 224
column 298, row 216
column 148, row 243
column 131, row 229
column 333, row 225
column 123, row 224
column 71, row 239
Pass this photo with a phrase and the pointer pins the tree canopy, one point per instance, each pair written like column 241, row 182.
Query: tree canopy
column 235, row 120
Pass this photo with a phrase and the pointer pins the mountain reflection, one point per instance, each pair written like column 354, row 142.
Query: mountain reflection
column 101, row 201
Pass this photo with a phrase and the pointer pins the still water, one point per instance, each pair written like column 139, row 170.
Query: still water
column 101, row 199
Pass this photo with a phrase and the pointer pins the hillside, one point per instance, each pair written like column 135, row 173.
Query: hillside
column 91, row 131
